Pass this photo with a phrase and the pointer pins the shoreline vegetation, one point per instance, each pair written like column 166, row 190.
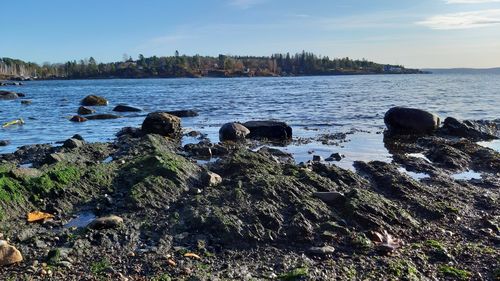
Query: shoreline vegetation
column 183, row 66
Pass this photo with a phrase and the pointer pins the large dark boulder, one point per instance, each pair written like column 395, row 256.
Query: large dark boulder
column 183, row 113
column 272, row 130
column 6, row 95
column 233, row 132
column 162, row 123
column 475, row 130
column 82, row 110
column 410, row 120
column 93, row 100
column 126, row 108
column 103, row 117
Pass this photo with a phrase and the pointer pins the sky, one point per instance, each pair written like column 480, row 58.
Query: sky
column 414, row 33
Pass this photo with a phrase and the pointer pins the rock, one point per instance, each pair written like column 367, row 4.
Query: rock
column 126, row 108
column 330, row 197
column 162, row 123
column 130, row 131
column 78, row 137
column 213, row 179
column 21, row 95
column 103, row 117
column 476, row 130
column 9, row 254
column 54, row 158
column 93, row 100
column 111, row 221
column 78, row 119
column 82, row 110
column 410, row 120
column 317, row 158
column 73, row 143
column 26, row 102
column 233, row 132
column 335, row 157
column 200, row 149
column 6, row 95
column 323, row 251
column 271, row 130
column 183, row 113
column 4, row 142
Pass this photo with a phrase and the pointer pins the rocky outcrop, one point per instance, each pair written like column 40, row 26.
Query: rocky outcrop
column 93, row 100
column 271, row 130
column 126, row 108
column 475, row 130
column 233, row 132
column 410, row 121
column 162, row 123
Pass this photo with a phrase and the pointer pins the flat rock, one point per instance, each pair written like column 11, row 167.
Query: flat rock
column 184, row 113
column 102, row 117
column 111, row 221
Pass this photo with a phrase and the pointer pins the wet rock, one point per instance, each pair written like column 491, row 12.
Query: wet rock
column 126, row 108
column 162, row 123
column 322, row 251
column 448, row 157
column 78, row 119
column 335, row 157
column 106, row 222
column 130, row 131
column 6, row 95
column 103, row 117
column 410, row 120
column 78, row 137
column 83, row 110
column 272, row 130
column 9, row 254
column 54, row 158
column 475, row 130
column 4, row 142
column 26, row 102
column 233, row 132
column 280, row 156
column 183, row 113
column 317, row 158
column 201, row 149
column 73, row 143
column 330, row 197
column 93, row 100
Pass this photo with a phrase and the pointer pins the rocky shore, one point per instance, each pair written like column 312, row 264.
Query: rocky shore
column 143, row 207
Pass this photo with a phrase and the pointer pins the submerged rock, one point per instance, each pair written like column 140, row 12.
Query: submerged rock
column 272, row 130
column 6, row 95
column 233, row 132
column 83, row 110
column 93, row 100
column 183, row 113
column 4, row 142
column 9, row 254
column 126, row 108
column 410, row 120
column 103, row 117
column 78, row 118
column 162, row 123
column 26, row 102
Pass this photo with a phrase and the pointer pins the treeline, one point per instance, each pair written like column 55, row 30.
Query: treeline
column 299, row 64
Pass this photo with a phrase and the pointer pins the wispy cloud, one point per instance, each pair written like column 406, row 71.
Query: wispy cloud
column 463, row 20
column 470, row 1
column 244, row 4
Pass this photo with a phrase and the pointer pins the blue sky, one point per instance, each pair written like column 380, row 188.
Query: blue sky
column 415, row 33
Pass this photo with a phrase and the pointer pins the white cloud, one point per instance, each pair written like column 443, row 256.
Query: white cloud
column 470, row 1
column 244, row 4
column 463, row 20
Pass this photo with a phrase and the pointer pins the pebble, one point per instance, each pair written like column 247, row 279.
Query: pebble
column 325, row 250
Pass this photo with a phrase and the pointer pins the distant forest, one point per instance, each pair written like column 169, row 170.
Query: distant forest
column 299, row 64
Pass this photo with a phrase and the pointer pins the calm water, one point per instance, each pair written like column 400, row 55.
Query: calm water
column 324, row 104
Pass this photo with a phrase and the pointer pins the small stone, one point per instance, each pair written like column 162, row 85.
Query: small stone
column 213, row 179
column 9, row 254
column 106, row 222
column 325, row 250
column 65, row 264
